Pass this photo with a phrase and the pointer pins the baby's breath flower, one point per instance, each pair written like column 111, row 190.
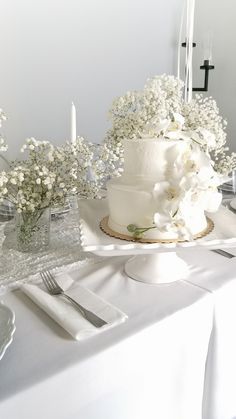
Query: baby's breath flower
column 21, row 176
column 47, row 181
column 49, row 174
column 23, row 148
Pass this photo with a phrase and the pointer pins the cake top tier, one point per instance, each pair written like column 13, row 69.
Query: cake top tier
column 150, row 158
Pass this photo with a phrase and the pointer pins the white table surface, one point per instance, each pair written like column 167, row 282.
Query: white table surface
column 152, row 366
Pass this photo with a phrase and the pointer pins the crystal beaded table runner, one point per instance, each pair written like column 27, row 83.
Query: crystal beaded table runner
column 64, row 250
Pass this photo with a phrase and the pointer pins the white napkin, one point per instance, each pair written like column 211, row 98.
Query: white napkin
column 66, row 315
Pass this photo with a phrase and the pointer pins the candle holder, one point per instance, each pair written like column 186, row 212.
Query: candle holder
column 207, row 67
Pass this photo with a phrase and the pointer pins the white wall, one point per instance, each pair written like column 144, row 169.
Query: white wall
column 219, row 18
column 88, row 51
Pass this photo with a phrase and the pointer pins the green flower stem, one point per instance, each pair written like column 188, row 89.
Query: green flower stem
column 29, row 226
column 32, row 229
column 138, row 231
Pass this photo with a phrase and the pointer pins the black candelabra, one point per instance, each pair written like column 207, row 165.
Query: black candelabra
column 207, row 67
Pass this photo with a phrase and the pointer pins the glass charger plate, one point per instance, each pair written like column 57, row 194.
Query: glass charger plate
column 227, row 203
column 64, row 249
column 227, row 187
column 60, row 211
column 7, row 211
column 7, row 328
column 96, row 241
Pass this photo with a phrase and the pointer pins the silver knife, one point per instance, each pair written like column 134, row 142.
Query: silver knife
column 224, row 253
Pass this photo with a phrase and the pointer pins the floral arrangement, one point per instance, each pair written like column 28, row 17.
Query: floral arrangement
column 50, row 174
column 45, row 179
column 159, row 111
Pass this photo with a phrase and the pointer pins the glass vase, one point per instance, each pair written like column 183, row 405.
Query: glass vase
column 33, row 230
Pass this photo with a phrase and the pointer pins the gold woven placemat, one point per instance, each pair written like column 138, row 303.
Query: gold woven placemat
column 107, row 230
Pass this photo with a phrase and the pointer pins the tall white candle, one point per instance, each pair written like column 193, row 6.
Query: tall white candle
column 188, row 18
column 189, row 49
column 207, row 47
column 73, row 123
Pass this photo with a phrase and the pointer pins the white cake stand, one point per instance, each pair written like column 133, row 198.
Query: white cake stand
column 156, row 263
column 157, row 268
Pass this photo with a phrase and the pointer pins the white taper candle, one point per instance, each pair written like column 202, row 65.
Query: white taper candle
column 73, row 123
column 207, row 47
column 189, row 49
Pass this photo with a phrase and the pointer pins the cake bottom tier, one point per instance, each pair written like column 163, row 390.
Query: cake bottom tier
column 135, row 204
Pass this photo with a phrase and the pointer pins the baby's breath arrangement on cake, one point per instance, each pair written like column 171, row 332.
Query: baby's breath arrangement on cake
column 175, row 157
column 159, row 111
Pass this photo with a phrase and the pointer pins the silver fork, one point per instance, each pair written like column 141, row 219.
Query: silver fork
column 54, row 288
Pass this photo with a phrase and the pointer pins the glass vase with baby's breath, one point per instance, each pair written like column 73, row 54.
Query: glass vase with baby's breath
column 45, row 179
column 33, row 230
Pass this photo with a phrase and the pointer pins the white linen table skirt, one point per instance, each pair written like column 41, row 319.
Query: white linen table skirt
column 152, row 366
column 220, row 382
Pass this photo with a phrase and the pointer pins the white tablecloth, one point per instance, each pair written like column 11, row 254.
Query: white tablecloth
column 152, row 366
column 220, row 382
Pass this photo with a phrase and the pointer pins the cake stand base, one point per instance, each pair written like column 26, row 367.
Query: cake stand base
column 158, row 268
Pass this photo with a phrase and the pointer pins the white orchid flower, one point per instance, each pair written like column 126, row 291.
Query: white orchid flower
column 162, row 221
column 208, row 137
column 177, row 123
column 162, row 126
column 179, row 119
column 206, row 173
column 205, row 138
column 160, row 187
column 167, row 223
column 212, row 201
column 155, row 128
column 175, row 128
